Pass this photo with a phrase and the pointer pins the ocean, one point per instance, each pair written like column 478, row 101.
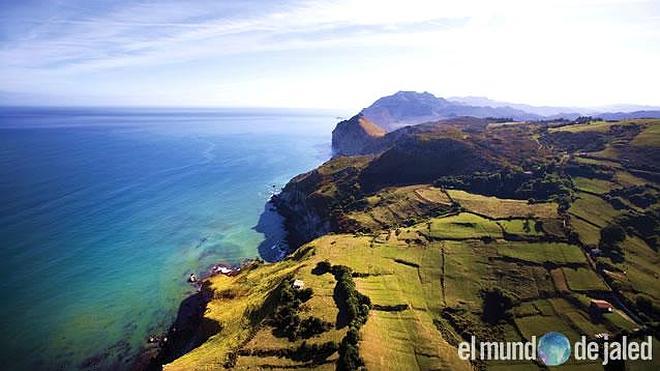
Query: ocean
column 105, row 212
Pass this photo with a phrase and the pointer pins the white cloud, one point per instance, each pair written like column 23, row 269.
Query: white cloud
column 550, row 52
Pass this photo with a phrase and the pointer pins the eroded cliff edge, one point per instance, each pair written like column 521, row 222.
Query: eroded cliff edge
column 356, row 136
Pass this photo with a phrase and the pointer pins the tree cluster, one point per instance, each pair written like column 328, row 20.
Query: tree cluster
column 355, row 307
column 540, row 185
column 639, row 195
column 497, row 304
column 286, row 321
column 589, row 171
column 611, row 237
column 645, row 224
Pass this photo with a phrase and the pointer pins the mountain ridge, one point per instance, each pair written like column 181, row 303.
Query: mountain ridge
column 405, row 108
column 409, row 107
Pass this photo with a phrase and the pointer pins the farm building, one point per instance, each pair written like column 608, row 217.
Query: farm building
column 601, row 306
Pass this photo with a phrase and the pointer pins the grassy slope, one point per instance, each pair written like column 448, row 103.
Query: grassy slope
column 598, row 186
column 395, row 206
column 649, row 137
column 498, row 208
column 440, row 262
column 395, row 269
column 593, row 209
column 236, row 300
column 463, row 226
column 521, row 227
column 639, row 272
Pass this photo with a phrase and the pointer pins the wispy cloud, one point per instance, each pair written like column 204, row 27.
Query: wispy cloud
column 173, row 32
column 72, row 40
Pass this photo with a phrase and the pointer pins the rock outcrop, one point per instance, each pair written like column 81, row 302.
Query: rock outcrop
column 356, row 136
column 305, row 211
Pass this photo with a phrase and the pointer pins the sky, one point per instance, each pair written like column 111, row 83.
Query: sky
column 327, row 54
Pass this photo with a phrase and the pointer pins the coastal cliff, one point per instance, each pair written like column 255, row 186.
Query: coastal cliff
column 316, row 203
column 423, row 232
column 305, row 211
column 312, row 203
column 356, row 136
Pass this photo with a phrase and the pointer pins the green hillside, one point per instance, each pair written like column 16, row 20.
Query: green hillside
column 403, row 270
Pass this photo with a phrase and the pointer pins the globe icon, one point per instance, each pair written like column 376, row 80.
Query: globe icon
column 554, row 349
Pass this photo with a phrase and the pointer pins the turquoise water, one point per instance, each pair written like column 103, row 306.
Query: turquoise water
column 104, row 213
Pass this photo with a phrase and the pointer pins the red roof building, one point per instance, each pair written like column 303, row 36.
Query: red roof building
column 601, row 305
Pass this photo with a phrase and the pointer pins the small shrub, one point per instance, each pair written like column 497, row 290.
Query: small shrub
column 322, row 267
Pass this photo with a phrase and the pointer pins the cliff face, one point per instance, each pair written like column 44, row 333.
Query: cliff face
column 356, row 136
column 315, row 203
column 362, row 133
column 306, row 212
column 311, row 202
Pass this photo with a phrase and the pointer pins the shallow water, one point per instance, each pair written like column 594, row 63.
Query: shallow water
column 104, row 213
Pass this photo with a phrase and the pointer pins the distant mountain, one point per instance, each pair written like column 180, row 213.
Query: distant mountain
column 626, row 108
column 409, row 108
column 537, row 110
column 359, row 134
column 629, row 115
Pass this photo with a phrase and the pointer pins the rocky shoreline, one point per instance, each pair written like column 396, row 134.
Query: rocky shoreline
column 305, row 218
column 190, row 329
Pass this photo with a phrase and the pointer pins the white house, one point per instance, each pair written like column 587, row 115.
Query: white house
column 298, row 284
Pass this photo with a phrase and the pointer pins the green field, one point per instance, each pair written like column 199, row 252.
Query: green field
column 542, row 252
column 463, row 226
column 650, row 136
column 641, row 268
column 498, row 208
column 466, row 268
column 522, row 227
column 598, row 186
column 588, row 233
column 594, row 209
column 627, row 180
column 595, row 126
column 582, row 279
column 593, row 161
column 539, row 325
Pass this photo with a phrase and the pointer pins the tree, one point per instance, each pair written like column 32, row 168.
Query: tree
column 611, row 235
column 349, row 356
column 497, row 304
column 322, row 267
column 538, row 226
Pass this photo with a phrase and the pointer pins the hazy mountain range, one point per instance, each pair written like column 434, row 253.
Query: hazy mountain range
column 409, row 107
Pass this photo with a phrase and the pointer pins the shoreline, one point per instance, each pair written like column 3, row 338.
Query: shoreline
column 189, row 329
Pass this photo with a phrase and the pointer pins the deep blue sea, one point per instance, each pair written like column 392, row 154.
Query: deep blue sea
column 104, row 213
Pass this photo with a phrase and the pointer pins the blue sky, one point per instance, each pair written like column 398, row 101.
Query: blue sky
column 329, row 54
